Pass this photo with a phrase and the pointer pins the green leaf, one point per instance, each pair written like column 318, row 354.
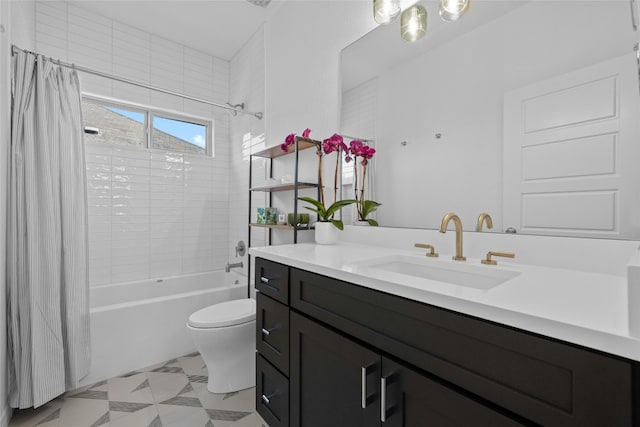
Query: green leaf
column 313, row 210
column 338, row 224
column 320, row 208
column 339, row 205
column 372, row 222
column 369, row 206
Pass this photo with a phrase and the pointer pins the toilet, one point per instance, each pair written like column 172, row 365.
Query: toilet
column 225, row 336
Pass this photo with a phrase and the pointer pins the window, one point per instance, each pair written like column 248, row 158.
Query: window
column 114, row 123
column 178, row 135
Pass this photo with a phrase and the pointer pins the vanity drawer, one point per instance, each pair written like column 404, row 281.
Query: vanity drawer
column 272, row 279
column 272, row 394
column 272, row 332
column 545, row 381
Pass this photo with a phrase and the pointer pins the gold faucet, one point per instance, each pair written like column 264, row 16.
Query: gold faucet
column 484, row 217
column 443, row 229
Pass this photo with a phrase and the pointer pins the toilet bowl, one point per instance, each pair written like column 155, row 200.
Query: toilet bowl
column 224, row 334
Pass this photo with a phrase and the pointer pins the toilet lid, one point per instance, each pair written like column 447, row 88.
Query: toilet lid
column 227, row 313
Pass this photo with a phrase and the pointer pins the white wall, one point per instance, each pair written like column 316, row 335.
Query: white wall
column 247, row 135
column 303, row 43
column 172, row 218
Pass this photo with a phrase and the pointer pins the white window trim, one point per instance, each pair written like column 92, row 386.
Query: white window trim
column 151, row 111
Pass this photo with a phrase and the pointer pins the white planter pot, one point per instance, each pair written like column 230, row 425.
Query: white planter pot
column 326, row 233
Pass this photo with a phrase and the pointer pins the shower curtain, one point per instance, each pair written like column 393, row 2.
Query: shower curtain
column 47, row 259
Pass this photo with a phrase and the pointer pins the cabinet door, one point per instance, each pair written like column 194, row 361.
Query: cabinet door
column 272, row 394
column 272, row 334
column 272, row 279
column 410, row 399
column 334, row 381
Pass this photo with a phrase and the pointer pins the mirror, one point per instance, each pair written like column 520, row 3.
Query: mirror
column 501, row 112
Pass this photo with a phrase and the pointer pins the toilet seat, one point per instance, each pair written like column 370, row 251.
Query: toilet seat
column 228, row 313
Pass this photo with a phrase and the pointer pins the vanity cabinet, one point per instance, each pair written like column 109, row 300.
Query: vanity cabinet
column 358, row 356
column 337, row 382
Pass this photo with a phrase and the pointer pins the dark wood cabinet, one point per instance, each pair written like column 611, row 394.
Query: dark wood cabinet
column 272, row 279
column 272, row 332
column 412, row 399
column 272, row 394
column 356, row 356
column 334, row 381
column 337, row 382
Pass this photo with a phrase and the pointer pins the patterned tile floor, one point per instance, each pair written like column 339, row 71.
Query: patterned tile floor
column 169, row 394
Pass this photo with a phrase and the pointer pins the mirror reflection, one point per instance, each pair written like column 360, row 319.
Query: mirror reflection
column 525, row 110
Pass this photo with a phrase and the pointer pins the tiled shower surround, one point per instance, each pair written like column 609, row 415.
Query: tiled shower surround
column 154, row 214
column 170, row 394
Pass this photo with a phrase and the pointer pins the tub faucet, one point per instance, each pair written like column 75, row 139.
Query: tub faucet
column 233, row 265
column 443, row 229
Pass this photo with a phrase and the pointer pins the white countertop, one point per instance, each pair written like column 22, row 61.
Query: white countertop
column 584, row 308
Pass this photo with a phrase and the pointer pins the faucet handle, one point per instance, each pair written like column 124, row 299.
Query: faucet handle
column 489, row 261
column 432, row 251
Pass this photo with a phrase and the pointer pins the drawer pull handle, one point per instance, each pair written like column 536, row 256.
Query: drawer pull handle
column 267, row 399
column 268, row 331
column 383, row 399
column 364, row 388
column 264, row 280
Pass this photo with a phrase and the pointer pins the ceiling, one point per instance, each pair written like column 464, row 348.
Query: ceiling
column 217, row 27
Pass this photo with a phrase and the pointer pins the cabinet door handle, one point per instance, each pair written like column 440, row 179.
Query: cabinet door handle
column 267, row 399
column 383, row 399
column 364, row 387
column 268, row 331
column 266, row 282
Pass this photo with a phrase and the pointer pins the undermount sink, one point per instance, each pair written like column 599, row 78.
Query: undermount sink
column 452, row 272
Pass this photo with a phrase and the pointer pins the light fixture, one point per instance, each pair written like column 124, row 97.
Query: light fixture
column 452, row 10
column 413, row 23
column 385, row 11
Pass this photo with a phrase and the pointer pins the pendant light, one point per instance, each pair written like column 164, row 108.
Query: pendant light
column 452, row 10
column 413, row 23
column 385, row 11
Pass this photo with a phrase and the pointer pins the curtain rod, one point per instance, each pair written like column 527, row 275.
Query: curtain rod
column 15, row 49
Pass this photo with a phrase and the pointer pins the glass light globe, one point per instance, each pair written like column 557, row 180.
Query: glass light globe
column 385, row 11
column 413, row 23
column 452, row 10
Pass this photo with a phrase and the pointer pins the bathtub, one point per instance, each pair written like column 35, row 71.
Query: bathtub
column 137, row 324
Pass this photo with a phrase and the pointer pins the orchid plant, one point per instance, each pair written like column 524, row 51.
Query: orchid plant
column 357, row 149
column 335, row 143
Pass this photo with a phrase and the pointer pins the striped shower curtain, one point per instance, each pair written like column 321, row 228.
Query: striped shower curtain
column 47, row 259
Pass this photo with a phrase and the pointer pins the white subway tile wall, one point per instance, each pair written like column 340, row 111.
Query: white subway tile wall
column 154, row 214
column 151, row 213
column 70, row 33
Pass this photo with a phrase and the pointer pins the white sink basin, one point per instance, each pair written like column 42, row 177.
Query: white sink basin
column 453, row 272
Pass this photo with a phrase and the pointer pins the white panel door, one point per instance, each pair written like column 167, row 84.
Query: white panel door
column 572, row 153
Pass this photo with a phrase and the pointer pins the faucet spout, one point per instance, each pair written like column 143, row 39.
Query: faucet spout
column 458, row 224
column 484, row 217
column 233, row 265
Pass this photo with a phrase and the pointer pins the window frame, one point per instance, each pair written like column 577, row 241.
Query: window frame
column 151, row 112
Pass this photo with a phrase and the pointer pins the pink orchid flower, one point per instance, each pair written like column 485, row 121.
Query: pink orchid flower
column 306, row 132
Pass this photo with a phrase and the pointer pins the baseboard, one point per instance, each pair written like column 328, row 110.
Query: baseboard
column 5, row 416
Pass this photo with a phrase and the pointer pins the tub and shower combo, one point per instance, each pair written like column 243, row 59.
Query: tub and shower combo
column 137, row 324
